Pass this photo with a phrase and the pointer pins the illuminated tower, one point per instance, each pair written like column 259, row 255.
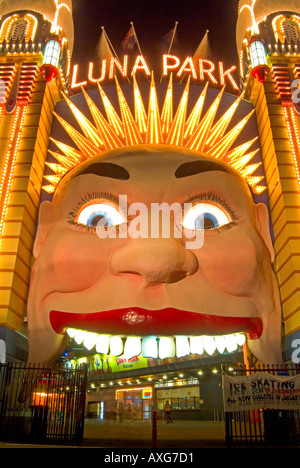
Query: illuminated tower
column 36, row 40
column 268, row 42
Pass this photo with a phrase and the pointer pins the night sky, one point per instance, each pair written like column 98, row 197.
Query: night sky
column 152, row 20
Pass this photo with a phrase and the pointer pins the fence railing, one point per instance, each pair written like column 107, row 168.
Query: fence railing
column 41, row 404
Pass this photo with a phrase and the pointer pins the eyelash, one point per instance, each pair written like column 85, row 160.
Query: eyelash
column 213, row 197
column 72, row 215
column 204, row 196
column 210, row 196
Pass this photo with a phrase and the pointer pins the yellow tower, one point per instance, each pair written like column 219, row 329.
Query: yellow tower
column 36, row 40
column 268, row 43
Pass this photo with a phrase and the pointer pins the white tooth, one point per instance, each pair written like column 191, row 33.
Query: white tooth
column 79, row 336
column 240, row 338
column 71, row 332
column 116, row 345
column 166, row 347
column 102, row 344
column 196, row 343
column 149, row 347
column 132, row 347
column 209, row 344
column 231, row 343
column 90, row 340
column 182, row 346
column 220, row 343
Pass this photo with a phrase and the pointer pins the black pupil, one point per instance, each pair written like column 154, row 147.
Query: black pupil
column 208, row 223
column 97, row 219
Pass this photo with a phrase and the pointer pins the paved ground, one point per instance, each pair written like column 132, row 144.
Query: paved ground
column 120, row 437
column 138, row 434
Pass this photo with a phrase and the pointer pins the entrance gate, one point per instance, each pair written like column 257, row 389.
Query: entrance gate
column 41, row 404
column 263, row 426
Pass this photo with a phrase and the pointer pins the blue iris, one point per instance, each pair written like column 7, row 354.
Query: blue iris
column 206, row 221
column 98, row 216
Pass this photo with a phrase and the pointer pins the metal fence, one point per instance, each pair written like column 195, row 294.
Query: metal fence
column 264, row 426
column 41, row 404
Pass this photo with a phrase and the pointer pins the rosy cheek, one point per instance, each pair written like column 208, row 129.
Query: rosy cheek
column 77, row 262
column 230, row 266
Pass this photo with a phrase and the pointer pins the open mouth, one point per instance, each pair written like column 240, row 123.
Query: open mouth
column 161, row 333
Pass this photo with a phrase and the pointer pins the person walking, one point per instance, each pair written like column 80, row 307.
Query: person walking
column 168, row 412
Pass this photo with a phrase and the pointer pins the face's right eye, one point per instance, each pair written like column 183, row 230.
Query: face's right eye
column 205, row 216
column 103, row 213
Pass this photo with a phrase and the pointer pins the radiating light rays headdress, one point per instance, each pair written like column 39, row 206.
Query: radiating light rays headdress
column 194, row 131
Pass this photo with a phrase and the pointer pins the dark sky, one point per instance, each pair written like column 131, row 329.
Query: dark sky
column 152, row 20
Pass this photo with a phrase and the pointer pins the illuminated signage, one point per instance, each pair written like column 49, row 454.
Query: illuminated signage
column 146, row 392
column 199, row 69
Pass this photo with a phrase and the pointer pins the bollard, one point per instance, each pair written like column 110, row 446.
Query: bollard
column 154, row 429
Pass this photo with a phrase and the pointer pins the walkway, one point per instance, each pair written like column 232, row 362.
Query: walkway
column 136, row 433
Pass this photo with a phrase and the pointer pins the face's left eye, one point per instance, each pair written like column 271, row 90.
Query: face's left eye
column 205, row 216
column 105, row 213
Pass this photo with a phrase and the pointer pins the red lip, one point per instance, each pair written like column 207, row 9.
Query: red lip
column 169, row 321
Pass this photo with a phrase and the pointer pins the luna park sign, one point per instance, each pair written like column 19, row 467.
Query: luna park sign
column 199, row 69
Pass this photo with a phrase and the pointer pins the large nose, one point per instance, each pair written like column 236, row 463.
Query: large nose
column 155, row 260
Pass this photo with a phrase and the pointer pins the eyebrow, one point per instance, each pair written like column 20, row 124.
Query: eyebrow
column 197, row 167
column 104, row 169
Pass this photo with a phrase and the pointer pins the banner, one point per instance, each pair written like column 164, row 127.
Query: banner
column 261, row 390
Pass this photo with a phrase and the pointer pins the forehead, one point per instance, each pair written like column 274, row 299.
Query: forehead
column 127, row 165
column 157, row 170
